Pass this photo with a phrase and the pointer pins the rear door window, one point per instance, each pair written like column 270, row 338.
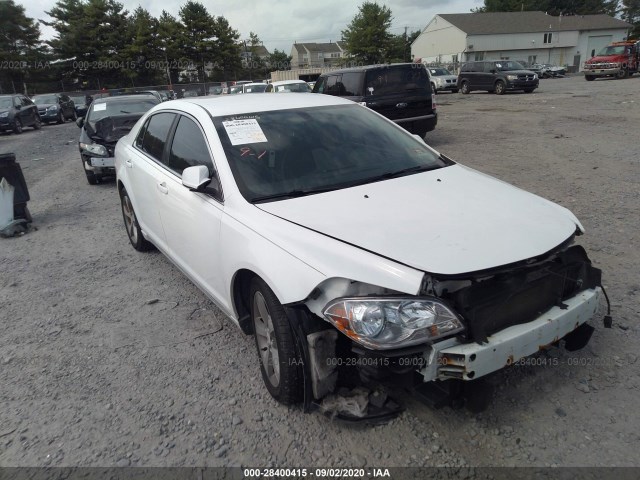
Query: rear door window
column 153, row 135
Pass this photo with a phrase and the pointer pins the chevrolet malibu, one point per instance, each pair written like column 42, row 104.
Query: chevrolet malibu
column 352, row 251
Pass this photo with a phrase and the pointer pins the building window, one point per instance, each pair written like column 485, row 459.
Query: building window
column 335, row 55
column 479, row 56
column 547, row 37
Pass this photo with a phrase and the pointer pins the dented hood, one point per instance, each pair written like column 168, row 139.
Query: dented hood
column 112, row 129
column 448, row 221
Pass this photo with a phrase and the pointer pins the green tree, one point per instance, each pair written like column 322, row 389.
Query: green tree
column 400, row 47
column 144, row 56
column 169, row 41
column 367, row 37
column 199, row 35
column 20, row 46
column 631, row 13
column 227, row 52
column 279, row 60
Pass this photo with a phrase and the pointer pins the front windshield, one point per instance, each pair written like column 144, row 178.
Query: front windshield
column 6, row 102
column 116, row 108
column 439, row 71
column 78, row 101
column 612, row 50
column 506, row 66
column 45, row 99
column 256, row 88
column 293, row 87
column 275, row 155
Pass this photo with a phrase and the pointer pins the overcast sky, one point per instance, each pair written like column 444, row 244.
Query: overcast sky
column 279, row 23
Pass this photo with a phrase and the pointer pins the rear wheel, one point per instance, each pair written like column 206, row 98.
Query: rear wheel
column 499, row 88
column 17, row 126
column 131, row 224
column 275, row 342
column 464, row 88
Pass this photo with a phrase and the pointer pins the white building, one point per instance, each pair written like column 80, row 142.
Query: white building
column 532, row 37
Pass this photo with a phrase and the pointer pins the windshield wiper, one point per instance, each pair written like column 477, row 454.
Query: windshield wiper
column 291, row 194
column 402, row 173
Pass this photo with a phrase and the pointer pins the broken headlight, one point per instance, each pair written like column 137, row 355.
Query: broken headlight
column 94, row 149
column 384, row 323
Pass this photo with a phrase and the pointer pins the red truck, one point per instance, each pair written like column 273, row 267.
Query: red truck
column 619, row 60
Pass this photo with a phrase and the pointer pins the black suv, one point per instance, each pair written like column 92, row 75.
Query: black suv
column 17, row 111
column 55, row 107
column 496, row 76
column 401, row 92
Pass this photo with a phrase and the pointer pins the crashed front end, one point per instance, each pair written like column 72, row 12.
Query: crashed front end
column 461, row 327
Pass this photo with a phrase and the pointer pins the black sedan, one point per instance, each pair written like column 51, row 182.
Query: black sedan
column 16, row 112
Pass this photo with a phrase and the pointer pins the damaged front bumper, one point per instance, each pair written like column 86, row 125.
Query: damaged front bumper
column 452, row 359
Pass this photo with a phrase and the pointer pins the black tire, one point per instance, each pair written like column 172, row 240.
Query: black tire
column 624, row 73
column 589, row 78
column 17, row 126
column 91, row 178
column 60, row 117
column 282, row 375
column 131, row 224
column 37, row 124
column 464, row 88
column 528, row 90
column 499, row 88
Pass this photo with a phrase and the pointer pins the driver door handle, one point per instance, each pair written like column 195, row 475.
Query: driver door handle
column 163, row 188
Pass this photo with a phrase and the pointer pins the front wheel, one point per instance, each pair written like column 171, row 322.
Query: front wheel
column 17, row 126
column 464, row 88
column 275, row 342
column 499, row 88
column 131, row 224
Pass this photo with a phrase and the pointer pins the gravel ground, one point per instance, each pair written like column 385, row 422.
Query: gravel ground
column 110, row 357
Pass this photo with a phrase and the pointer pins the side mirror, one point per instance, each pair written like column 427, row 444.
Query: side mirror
column 80, row 122
column 197, row 179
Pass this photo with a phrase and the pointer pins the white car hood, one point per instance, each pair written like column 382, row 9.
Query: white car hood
column 448, row 221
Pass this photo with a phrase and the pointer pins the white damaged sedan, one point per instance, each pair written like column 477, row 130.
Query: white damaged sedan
column 354, row 252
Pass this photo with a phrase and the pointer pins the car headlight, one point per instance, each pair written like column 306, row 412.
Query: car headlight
column 535, row 76
column 384, row 323
column 512, row 77
column 4, row 114
column 53, row 108
column 94, row 149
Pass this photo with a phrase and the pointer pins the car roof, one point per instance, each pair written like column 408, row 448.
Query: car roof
column 119, row 98
column 287, row 82
column 365, row 68
column 240, row 104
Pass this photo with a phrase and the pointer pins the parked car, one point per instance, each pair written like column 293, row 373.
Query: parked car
column 545, row 70
column 55, row 107
column 216, row 90
column 16, row 112
column 442, row 80
column 309, row 239
column 108, row 120
column 498, row 76
column 297, row 86
column 80, row 103
column 400, row 92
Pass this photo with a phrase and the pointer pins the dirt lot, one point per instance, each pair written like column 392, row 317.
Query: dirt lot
column 112, row 357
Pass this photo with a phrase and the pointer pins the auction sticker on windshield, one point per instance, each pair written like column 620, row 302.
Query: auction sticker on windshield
column 244, row 131
column 99, row 107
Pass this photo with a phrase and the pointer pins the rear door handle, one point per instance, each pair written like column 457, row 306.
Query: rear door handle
column 128, row 163
column 163, row 188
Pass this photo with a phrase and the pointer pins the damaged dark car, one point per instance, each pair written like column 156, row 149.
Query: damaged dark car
column 107, row 121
